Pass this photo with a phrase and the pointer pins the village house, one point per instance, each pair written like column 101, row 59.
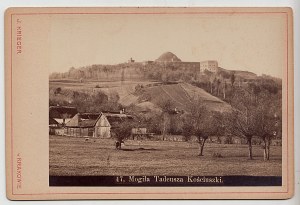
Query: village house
column 62, row 114
column 58, row 117
column 210, row 65
column 96, row 125
column 53, row 125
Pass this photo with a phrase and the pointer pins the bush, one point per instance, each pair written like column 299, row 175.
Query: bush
column 57, row 91
column 217, row 155
column 228, row 140
column 256, row 142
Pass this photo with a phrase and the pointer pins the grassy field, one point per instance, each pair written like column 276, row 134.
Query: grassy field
column 75, row 156
column 73, row 84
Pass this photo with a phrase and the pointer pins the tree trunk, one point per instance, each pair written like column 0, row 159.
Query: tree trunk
column 268, row 147
column 224, row 93
column 267, row 142
column 118, row 144
column 201, row 147
column 265, row 149
column 265, row 154
column 164, row 129
column 249, row 140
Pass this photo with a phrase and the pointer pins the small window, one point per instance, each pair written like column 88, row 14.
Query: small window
column 90, row 131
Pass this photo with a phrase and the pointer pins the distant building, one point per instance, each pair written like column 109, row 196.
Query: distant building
column 97, row 125
column 147, row 62
column 169, row 59
column 89, row 125
column 58, row 117
column 53, row 126
column 211, row 66
column 62, row 114
column 131, row 60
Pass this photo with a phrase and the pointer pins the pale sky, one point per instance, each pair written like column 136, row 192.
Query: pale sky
column 252, row 42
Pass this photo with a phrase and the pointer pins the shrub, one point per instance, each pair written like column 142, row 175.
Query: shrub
column 217, row 155
column 256, row 142
column 228, row 140
column 57, row 90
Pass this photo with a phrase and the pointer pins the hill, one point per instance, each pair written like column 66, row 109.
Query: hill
column 167, row 67
column 180, row 94
column 244, row 74
column 238, row 73
column 147, row 96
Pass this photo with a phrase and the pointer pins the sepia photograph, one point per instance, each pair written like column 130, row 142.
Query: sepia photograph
column 166, row 100
column 149, row 103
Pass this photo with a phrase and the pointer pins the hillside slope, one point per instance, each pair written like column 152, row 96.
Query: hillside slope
column 148, row 98
column 181, row 95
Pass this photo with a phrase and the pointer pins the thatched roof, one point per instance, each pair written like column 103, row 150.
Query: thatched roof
column 84, row 120
column 62, row 111
column 115, row 119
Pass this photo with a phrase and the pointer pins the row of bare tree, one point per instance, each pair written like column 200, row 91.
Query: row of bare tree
column 253, row 113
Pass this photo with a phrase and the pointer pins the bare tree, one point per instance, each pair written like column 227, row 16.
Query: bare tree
column 257, row 112
column 232, row 79
column 241, row 121
column 187, row 130
column 224, row 89
column 106, row 71
column 167, row 107
column 211, row 83
column 218, row 82
column 268, row 120
column 202, row 124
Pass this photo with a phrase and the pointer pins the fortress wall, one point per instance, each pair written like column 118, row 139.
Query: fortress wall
column 187, row 66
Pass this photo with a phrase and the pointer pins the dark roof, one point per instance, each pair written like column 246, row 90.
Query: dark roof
column 87, row 123
column 84, row 120
column 89, row 116
column 117, row 115
column 115, row 119
column 60, row 111
column 52, row 121
column 88, row 119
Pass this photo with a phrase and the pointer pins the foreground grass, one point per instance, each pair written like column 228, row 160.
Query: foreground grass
column 75, row 156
